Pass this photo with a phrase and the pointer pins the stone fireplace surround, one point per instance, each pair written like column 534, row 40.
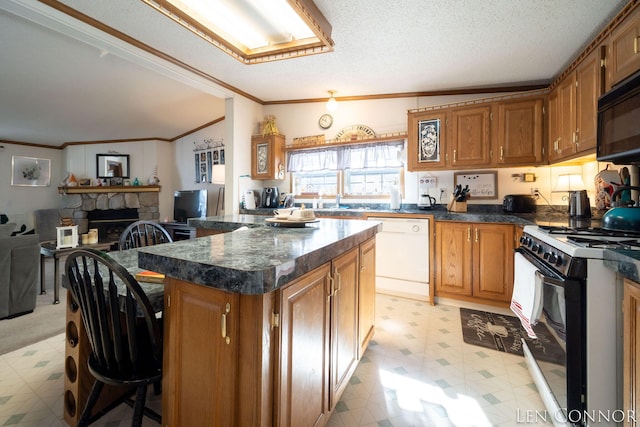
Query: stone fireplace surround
column 77, row 206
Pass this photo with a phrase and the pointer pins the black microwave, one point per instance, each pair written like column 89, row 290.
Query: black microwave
column 619, row 123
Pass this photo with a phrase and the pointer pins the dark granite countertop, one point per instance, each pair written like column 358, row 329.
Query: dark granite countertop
column 255, row 260
column 545, row 215
column 624, row 262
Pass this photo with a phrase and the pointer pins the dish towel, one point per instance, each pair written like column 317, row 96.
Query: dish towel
column 526, row 300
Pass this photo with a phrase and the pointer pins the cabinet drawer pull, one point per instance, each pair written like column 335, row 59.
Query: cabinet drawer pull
column 223, row 324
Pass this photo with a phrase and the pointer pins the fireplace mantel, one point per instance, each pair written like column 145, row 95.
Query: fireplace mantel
column 110, row 189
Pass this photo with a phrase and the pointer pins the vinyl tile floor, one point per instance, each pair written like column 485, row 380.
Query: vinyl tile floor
column 417, row 371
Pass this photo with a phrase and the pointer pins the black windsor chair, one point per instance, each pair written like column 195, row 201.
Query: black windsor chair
column 125, row 336
column 143, row 233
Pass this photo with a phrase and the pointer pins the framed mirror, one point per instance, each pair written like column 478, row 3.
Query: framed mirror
column 112, row 165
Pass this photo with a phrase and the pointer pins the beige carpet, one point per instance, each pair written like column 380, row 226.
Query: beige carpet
column 46, row 320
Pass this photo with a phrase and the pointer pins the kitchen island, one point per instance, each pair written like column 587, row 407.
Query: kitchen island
column 264, row 326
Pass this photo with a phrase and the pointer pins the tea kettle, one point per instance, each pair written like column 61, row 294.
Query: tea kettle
column 425, row 201
column 579, row 206
column 622, row 218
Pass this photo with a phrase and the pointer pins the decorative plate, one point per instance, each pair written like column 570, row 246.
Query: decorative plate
column 354, row 132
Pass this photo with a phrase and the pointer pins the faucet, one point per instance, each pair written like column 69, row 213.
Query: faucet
column 338, row 197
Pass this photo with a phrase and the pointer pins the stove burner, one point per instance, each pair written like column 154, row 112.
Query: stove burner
column 587, row 231
column 604, row 243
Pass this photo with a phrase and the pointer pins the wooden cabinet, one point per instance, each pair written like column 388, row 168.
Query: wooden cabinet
column 302, row 393
column 367, row 294
column 520, row 132
column 631, row 349
column 281, row 358
column 267, row 156
column 474, row 261
column 573, row 109
column 562, row 111
column 426, row 140
column 501, row 133
column 344, row 323
column 200, row 355
column 623, row 50
column 469, row 144
column 589, row 82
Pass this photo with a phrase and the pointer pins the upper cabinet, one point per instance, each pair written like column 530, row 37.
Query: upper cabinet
column 267, row 156
column 520, row 132
column 470, row 142
column 426, row 140
column 496, row 132
column 623, row 50
column 573, row 110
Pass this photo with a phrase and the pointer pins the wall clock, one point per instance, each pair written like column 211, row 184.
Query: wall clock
column 325, row 121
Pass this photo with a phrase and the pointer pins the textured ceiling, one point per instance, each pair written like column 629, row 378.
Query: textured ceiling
column 55, row 88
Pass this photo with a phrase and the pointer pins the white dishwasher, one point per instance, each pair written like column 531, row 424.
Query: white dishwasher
column 402, row 257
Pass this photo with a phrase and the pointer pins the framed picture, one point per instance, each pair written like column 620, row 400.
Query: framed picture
column 84, row 182
column 429, row 141
column 30, row 171
column 482, row 184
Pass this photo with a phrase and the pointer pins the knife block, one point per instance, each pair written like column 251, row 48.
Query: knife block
column 454, row 206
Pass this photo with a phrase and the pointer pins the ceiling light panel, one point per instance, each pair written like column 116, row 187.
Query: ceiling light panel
column 254, row 31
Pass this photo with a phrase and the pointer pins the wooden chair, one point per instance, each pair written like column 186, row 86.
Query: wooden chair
column 125, row 336
column 143, row 233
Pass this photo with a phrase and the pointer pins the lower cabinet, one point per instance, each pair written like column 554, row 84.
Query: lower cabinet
column 631, row 345
column 282, row 358
column 199, row 362
column 367, row 294
column 474, row 261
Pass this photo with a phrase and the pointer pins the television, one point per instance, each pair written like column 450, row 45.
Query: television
column 189, row 204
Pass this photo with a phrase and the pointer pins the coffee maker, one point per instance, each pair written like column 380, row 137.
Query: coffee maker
column 270, row 197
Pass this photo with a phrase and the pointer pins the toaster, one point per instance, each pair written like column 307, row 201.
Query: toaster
column 518, row 203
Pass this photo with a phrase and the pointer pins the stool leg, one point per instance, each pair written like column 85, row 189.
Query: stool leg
column 42, row 289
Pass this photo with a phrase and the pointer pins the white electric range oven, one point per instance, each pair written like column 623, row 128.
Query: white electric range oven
column 581, row 306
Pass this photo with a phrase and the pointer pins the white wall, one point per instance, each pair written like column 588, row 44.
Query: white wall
column 18, row 203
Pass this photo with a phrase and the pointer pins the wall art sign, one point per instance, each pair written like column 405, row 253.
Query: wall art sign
column 30, row 171
column 429, row 140
column 482, row 184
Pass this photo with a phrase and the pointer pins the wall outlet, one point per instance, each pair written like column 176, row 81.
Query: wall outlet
column 534, row 191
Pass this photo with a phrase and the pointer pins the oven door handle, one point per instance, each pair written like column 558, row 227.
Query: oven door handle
column 546, row 274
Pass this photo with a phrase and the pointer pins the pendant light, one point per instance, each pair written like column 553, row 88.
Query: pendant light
column 332, row 104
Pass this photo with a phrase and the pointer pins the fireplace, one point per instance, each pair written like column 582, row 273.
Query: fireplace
column 111, row 222
column 110, row 211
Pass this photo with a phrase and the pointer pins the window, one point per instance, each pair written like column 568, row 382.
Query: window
column 313, row 183
column 370, row 182
column 352, row 170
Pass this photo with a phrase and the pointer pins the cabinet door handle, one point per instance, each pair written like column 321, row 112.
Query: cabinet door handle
column 455, row 156
column 476, row 235
column 468, row 234
column 339, row 277
column 223, row 324
column 501, row 152
column 635, row 45
column 332, row 284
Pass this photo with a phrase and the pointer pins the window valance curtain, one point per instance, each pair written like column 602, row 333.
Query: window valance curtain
column 355, row 156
